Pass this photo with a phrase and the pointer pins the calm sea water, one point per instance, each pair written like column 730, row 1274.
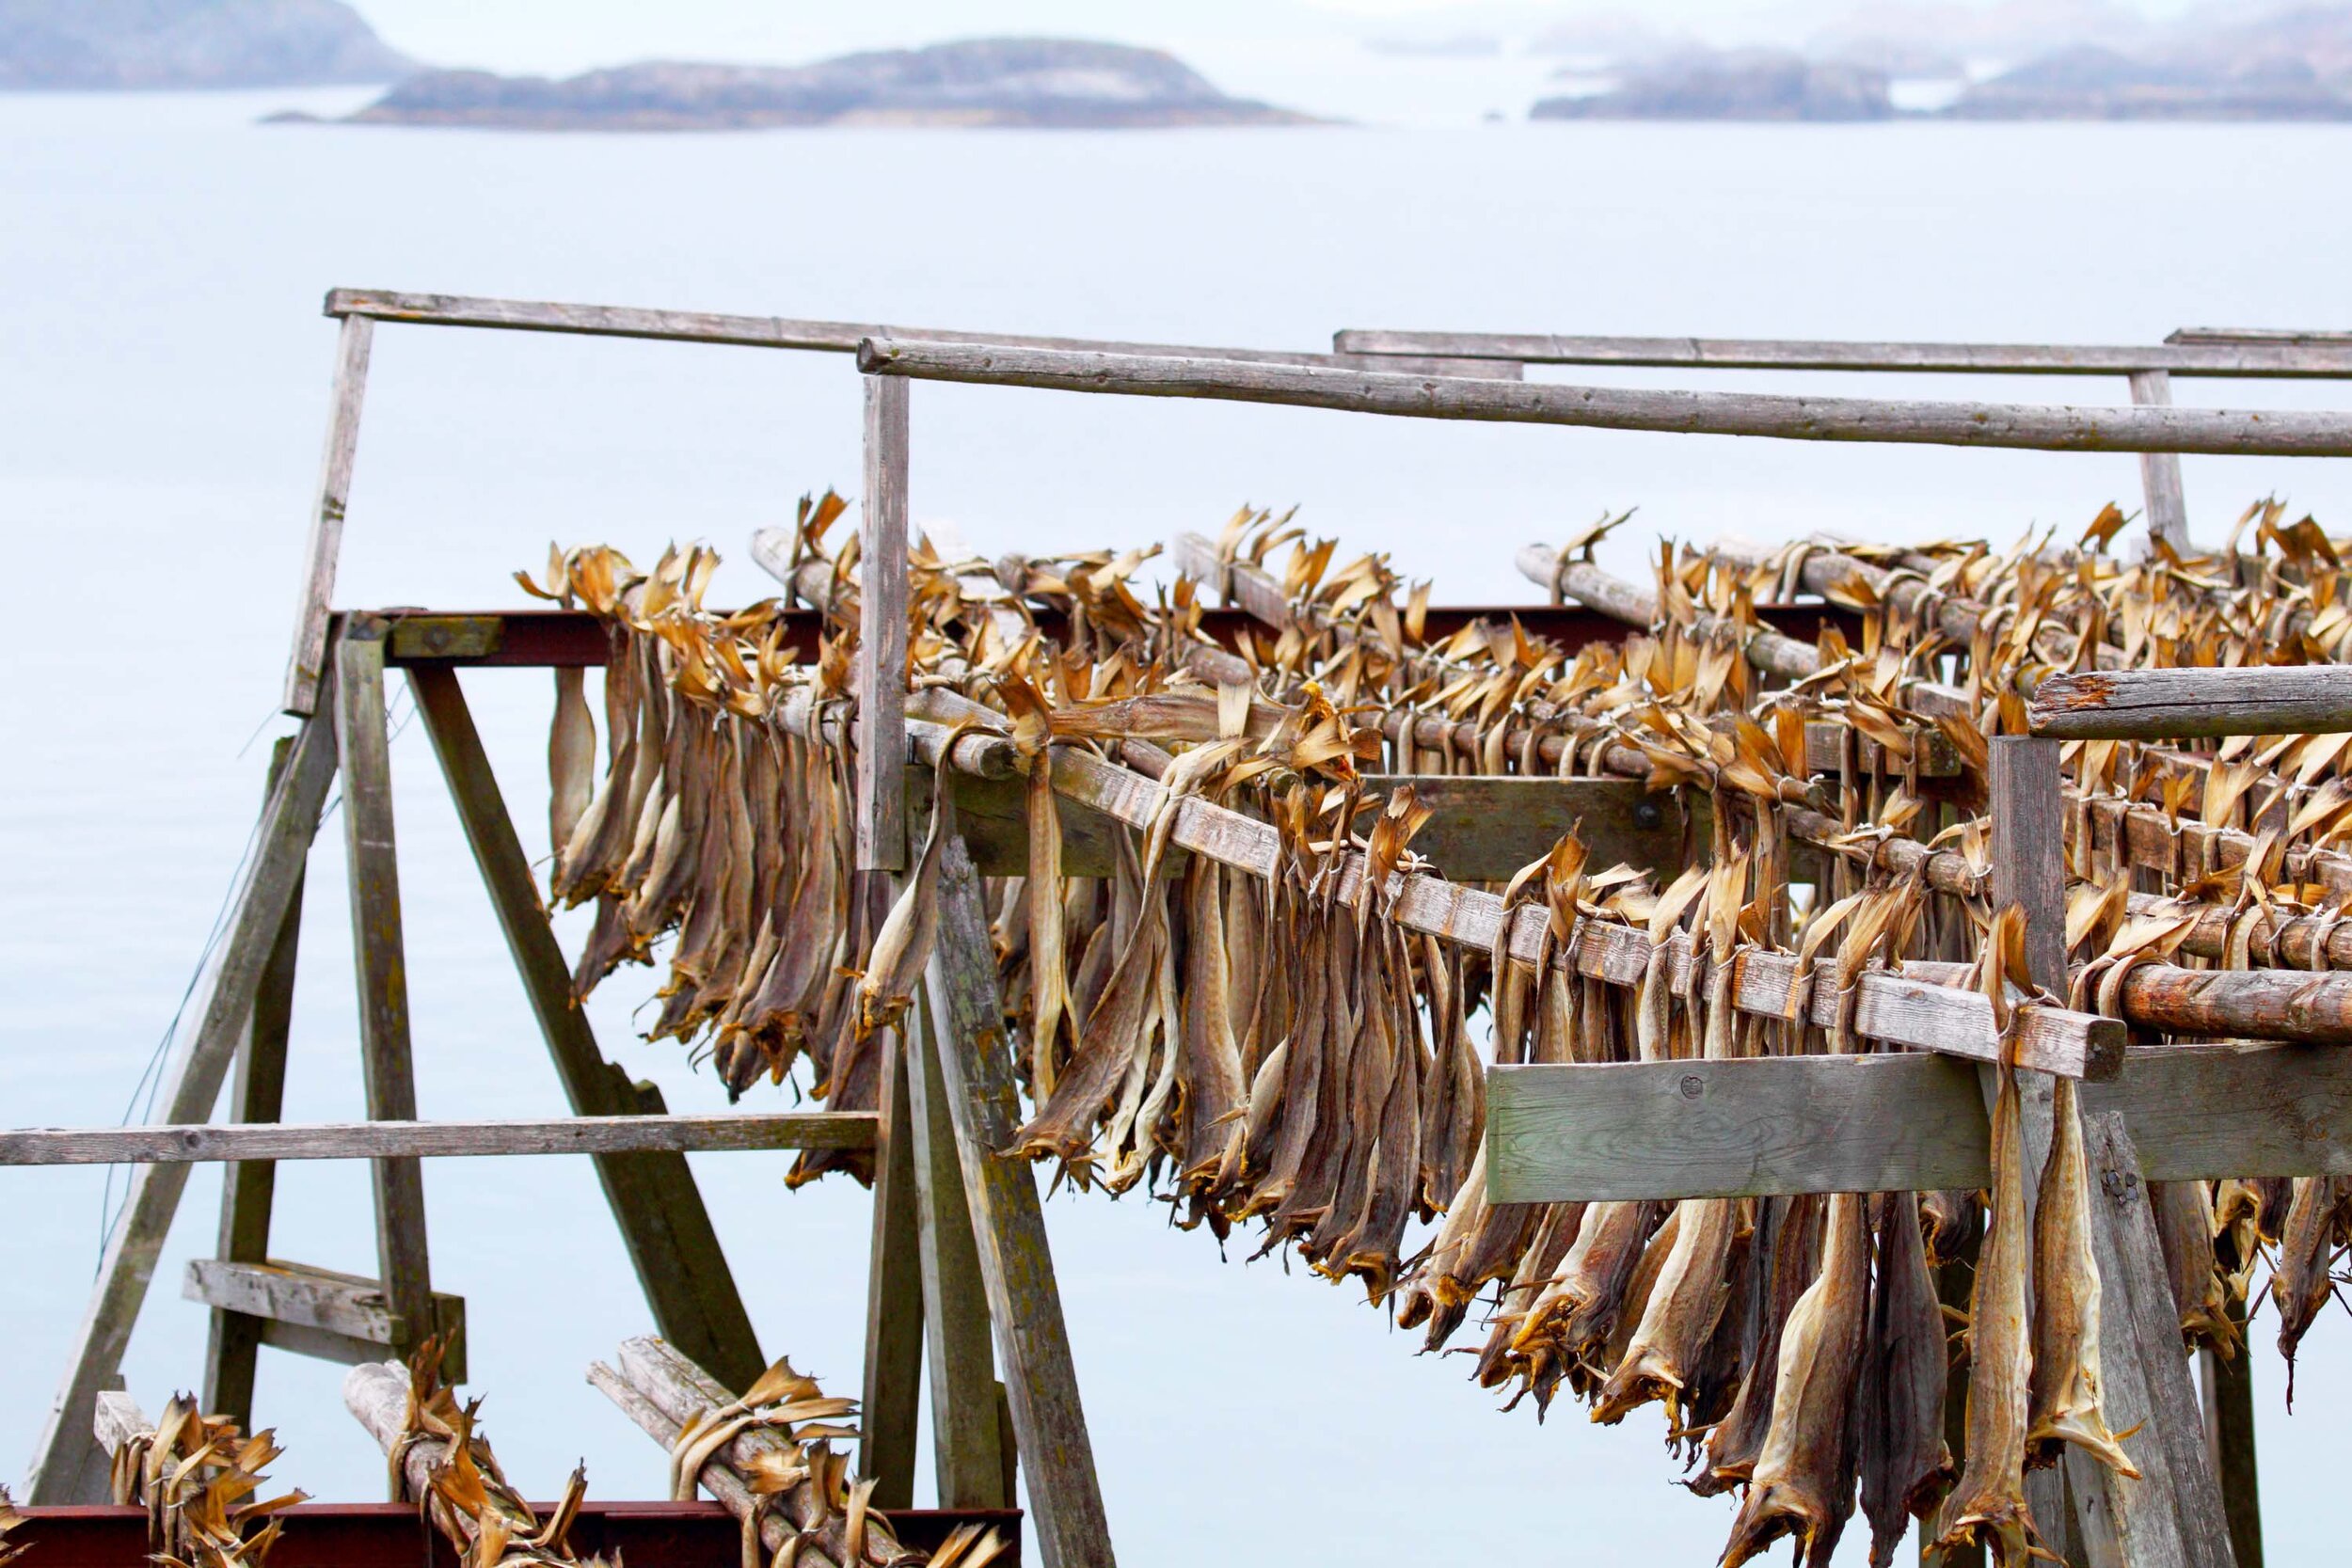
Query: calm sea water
column 162, row 378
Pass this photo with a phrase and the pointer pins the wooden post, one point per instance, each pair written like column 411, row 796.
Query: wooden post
column 2173, row 1514
column 1009, row 1224
column 894, row 1297
column 2229, row 1403
column 233, row 1342
column 2160, row 471
column 881, row 645
column 966, row 1448
column 671, row 1244
column 306, row 669
column 67, row 1467
column 2030, row 870
column 402, row 1264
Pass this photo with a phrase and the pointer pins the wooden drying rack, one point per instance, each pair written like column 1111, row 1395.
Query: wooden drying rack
column 959, row 1254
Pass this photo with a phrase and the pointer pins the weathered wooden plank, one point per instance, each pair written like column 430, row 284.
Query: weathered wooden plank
column 257, row 1094
column 1488, row 828
column 450, row 636
column 671, row 1244
column 887, row 1411
column 967, row 1459
column 64, row 1468
column 2227, row 1390
column 881, row 647
column 2035, row 426
column 2160, row 471
column 119, row 1420
column 2157, row 705
column 345, row 1308
column 2142, row 1333
column 307, row 668
column 206, row 1143
column 1008, row 1223
column 2205, row 352
column 386, row 1060
column 821, row 336
column 1735, row 1128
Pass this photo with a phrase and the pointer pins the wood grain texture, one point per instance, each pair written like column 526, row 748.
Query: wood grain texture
column 1016, row 1265
column 2032, row 426
column 306, row 668
column 887, row 1409
column 202, row 1143
column 671, row 1244
column 2157, row 705
column 1888, row 1123
column 2160, row 471
column 349, row 1305
column 247, row 1189
column 2195, row 353
column 881, row 648
column 387, row 1059
column 64, row 1468
column 2174, row 1513
column 119, row 1420
column 821, row 337
column 967, row 1457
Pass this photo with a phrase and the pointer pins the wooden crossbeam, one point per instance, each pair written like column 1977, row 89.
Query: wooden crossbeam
column 2161, row 705
column 1889, row 1123
column 205, row 1143
column 2193, row 354
column 323, row 1313
column 2266, row 433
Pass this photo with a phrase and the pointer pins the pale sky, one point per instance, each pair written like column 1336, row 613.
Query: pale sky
column 569, row 35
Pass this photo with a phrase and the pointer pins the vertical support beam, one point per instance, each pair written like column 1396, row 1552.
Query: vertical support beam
column 894, row 1297
column 2173, row 1515
column 307, row 668
column 2229, row 1403
column 1008, row 1223
column 882, row 643
column 966, row 1448
column 2160, row 471
column 258, row 1093
column 2030, row 870
column 386, row 1060
column 66, row 1466
column 671, row 1244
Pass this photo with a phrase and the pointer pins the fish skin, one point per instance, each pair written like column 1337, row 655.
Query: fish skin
column 2064, row 1406
column 1989, row 1503
column 2186, row 1226
column 1803, row 1485
column 1733, row 1447
column 1906, row 1466
column 1210, row 1086
column 2300, row 1285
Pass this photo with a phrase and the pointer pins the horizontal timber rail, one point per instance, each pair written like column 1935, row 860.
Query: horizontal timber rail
column 2162, row 704
column 811, row 336
column 572, row 639
column 2201, row 353
column 2035, row 426
column 1889, row 1123
column 201, row 1143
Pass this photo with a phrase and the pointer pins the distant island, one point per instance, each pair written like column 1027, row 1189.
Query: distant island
column 2286, row 65
column 119, row 45
column 1047, row 82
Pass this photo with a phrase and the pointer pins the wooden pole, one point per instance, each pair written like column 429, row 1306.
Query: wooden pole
column 966, row 1456
column 2160, row 471
column 2229, row 1390
column 881, row 649
column 386, row 1063
column 2209, row 353
column 2035, row 426
column 1009, row 1224
column 201, row 1144
column 671, row 1244
column 307, row 667
column 234, row 1341
column 894, row 1295
column 2160, row 704
column 66, row 1466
